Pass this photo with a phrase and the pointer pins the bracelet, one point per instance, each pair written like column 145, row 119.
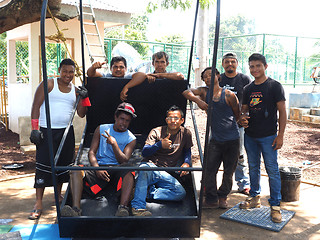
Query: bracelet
column 35, row 124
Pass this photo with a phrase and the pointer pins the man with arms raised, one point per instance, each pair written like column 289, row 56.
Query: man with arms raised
column 118, row 67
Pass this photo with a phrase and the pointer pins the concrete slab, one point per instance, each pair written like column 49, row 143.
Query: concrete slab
column 311, row 118
column 296, row 113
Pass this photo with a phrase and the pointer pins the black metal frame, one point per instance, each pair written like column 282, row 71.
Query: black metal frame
column 84, row 226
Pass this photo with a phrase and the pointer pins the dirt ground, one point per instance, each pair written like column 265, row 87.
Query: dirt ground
column 301, row 148
column 301, row 144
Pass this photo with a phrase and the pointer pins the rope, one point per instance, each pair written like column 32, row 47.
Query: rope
column 59, row 37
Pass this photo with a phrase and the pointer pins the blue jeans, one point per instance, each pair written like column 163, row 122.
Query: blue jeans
column 162, row 186
column 255, row 147
column 241, row 174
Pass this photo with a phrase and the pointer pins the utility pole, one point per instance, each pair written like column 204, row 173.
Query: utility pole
column 202, row 45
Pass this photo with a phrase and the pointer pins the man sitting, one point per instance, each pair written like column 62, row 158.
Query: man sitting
column 114, row 148
column 164, row 147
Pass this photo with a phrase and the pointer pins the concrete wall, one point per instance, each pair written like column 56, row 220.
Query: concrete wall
column 304, row 100
column 20, row 95
column 25, row 129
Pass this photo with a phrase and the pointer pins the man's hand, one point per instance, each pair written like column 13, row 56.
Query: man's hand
column 110, row 140
column 103, row 174
column 277, row 142
column 36, row 137
column 151, row 77
column 243, row 121
column 166, row 142
column 97, row 65
column 124, row 94
column 183, row 173
column 202, row 105
column 82, row 91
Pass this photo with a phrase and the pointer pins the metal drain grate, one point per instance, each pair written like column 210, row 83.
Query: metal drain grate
column 259, row 217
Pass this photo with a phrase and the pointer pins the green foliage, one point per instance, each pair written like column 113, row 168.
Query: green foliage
column 174, row 38
column 135, row 31
column 3, row 53
column 183, row 4
column 234, row 26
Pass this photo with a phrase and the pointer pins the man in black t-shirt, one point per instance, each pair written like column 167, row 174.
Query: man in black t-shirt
column 235, row 82
column 262, row 100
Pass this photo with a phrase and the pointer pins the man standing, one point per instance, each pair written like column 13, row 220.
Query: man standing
column 112, row 144
column 62, row 97
column 262, row 100
column 166, row 146
column 223, row 146
column 160, row 62
column 235, row 82
column 118, row 67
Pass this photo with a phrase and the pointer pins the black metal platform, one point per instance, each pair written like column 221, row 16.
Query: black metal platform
column 169, row 219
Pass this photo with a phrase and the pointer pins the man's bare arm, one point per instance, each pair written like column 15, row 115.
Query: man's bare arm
column 92, row 71
column 171, row 76
column 194, row 95
column 278, row 141
column 233, row 102
column 137, row 79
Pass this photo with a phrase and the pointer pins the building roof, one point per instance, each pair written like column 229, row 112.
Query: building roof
column 124, row 6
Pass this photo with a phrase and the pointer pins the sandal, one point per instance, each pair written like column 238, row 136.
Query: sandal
column 35, row 214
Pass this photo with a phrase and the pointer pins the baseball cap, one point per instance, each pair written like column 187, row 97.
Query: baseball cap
column 229, row 55
column 126, row 107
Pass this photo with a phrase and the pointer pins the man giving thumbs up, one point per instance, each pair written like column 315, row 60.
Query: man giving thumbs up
column 166, row 146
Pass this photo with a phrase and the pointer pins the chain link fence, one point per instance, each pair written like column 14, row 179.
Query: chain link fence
column 290, row 59
column 55, row 52
column 179, row 54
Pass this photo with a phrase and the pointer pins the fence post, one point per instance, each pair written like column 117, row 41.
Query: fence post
column 109, row 51
column 287, row 68
column 263, row 43
column 295, row 64
column 58, row 55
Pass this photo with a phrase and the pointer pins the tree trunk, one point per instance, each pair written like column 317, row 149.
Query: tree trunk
column 20, row 12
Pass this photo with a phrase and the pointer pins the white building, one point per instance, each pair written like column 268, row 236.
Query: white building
column 20, row 95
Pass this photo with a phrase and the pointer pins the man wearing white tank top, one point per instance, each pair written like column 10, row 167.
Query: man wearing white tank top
column 62, row 98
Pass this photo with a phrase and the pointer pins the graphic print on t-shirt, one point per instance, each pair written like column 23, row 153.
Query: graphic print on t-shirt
column 255, row 98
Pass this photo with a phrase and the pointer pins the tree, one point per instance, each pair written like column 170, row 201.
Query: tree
column 233, row 26
column 174, row 38
column 20, row 12
column 136, row 30
column 183, row 4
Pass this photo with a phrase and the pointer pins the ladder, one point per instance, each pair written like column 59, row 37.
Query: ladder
column 91, row 34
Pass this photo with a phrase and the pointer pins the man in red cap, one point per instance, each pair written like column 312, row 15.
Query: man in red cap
column 112, row 144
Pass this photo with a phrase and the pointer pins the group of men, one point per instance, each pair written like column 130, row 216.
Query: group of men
column 112, row 144
column 244, row 115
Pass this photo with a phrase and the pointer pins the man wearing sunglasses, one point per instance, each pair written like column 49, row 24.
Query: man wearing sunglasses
column 166, row 146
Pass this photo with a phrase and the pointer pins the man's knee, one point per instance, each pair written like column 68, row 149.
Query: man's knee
column 76, row 175
column 180, row 192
